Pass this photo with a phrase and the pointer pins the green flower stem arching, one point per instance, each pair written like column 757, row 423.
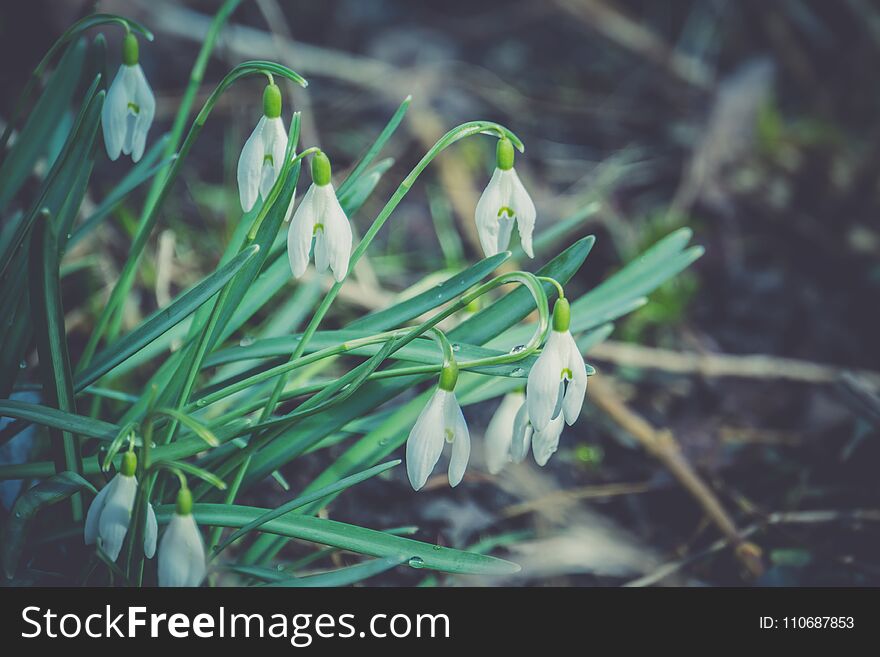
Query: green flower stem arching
column 203, row 344
column 289, row 366
column 180, row 118
column 454, row 135
column 547, row 279
column 282, row 423
column 69, row 35
column 126, row 277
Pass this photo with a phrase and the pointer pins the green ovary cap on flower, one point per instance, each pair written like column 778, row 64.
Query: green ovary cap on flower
column 184, row 502
column 272, row 101
column 129, row 464
column 130, row 50
column 321, row 169
column 504, row 154
column 561, row 315
column 449, row 377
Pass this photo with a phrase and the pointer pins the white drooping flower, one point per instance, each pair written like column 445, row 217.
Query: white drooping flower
column 546, row 442
column 262, row 157
column 109, row 515
column 504, row 202
column 182, row 551
column 441, row 421
column 320, row 218
column 501, row 430
column 129, row 107
column 558, row 380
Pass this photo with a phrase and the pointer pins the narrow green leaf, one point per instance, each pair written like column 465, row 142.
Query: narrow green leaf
column 303, row 500
column 374, row 150
column 194, row 470
column 48, row 318
column 349, row 537
column 344, row 576
column 162, row 320
column 33, row 140
column 140, row 173
column 50, row 491
column 56, row 419
column 197, row 427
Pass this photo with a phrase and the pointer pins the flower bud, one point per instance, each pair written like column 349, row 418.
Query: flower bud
column 272, row 101
column 130, row 50
column 321, row 169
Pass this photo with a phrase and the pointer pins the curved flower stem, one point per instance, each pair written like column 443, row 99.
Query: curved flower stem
column 145, row 227
column 445, row 346
column 71, row 33
column 454, row 135
column 252, row 233
column 204, row 340
column 525, row 278
column 559, row 290
column 290, row 366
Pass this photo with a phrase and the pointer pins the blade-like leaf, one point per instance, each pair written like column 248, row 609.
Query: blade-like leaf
column 162, row 320
column 349, row 537
column 54, row 489
column 48, row 319
column 344, row 576
column 302, row 500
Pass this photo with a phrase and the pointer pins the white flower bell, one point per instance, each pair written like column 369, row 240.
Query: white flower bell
column 440, row 421
column 182, row 552
column 129, row 106
column 504, row 202
column 501, row 430
column 558, row 380
column 321, row 218
column 546, row 442
column 110, row 513
column 262, row 157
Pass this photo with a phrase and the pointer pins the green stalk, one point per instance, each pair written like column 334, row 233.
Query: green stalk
column 150, row 216
column 457, row 133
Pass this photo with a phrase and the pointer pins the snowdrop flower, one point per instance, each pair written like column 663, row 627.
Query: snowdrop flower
column 262, row 157
column 110, row 513
column 182, row 552
column 501, row 430
column 558, row 380
column 320, row 217
column 440, row 421
column 504, row 201
column 129, row 106
column 546, row 442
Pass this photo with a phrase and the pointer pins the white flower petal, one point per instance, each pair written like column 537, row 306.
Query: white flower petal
column 425, row 442
column 486, row 215
column 299, row 235
column 499, row 433
column 113, row 115
column 337, row 235
column 461, row 440
column 546, row 442
column 275, row 145
column 577, row 386
column 116, row 516
column 522, row 434
column 182, row 553
column 143, row 98
column 525, row 211
column 93, row 517
column 542, row 389
column 250, row 167
column 151, row 531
